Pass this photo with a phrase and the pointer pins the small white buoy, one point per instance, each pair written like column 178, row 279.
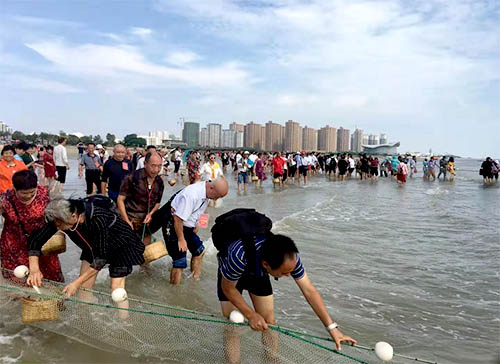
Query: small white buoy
column 21, row 271
column 236, row 317
column 384, row 351
column 119, row 295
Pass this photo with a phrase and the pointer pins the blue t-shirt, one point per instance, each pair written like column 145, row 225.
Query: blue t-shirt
column 235, row 263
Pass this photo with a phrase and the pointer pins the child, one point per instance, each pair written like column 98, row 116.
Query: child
column 49, row 168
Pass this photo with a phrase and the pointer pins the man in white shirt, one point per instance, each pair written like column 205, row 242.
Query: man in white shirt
column 186, row 209
column 177, row 161
column 141, row 159
column 61, row 162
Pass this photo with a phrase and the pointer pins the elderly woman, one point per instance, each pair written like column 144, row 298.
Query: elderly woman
column 24, row 211
column 8, row 166
column 101, row 234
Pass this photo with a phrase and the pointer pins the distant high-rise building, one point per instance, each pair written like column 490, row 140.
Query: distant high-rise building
column 365, row 140
column 214, row 135
column 236, row 127
column 255, row 135
column 228, row 138
column 343, row 139
column 204, row 137
column 157, row 137
column 293, row 136
column 376, row 140
column 309, row 139
column 327, row 139
column 239, row 139
column 383, row 139
column 274, row 137
column 371, row 139
column 357, row 141
column 191, row 134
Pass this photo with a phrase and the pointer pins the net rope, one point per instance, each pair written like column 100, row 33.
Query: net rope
column 161, row 331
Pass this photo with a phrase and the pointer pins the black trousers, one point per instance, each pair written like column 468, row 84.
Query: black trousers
column 93, row 176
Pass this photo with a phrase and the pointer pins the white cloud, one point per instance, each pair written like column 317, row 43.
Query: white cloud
column 141, row 32
column 127, row 63
column 33, row 83
column 182, row 58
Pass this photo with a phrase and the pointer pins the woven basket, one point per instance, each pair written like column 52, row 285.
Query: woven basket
column 276, row 180
column 39, row 310
column 255, row 178
column 55, row 245
column 154, row 251
column 172, row 182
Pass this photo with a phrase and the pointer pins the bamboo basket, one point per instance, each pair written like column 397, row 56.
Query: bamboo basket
column 39, row 310
column 255, row 178
column 154, row 251
column 276, row 181
column 55, row 245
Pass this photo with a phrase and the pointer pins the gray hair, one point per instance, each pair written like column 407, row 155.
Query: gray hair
column 58, row 209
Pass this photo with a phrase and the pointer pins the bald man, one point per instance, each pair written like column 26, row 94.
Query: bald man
column 179, row 220
column 114, row 171
column 140, row 196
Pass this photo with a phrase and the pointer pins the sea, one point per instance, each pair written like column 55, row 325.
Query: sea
column 417, row 266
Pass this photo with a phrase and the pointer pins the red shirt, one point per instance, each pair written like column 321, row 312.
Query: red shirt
column 278, row 165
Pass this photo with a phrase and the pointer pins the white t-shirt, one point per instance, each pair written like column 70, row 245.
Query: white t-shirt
column 60, row 156
column 140, row 162
column 178, row 156
column 191, row 203
column 351, row 163
column 209, row 172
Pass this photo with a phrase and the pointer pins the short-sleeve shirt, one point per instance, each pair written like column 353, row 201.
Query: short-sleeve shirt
column 6, row 173
column 278, row 165
column 114, row 172
column 91, row 161
column 234, row 265
column 139, row 198
column 191, row 203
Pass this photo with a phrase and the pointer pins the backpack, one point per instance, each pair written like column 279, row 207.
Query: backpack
column 172, row 156
column 244, row 224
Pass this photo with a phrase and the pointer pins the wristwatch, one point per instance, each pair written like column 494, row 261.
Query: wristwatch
column 331, row 327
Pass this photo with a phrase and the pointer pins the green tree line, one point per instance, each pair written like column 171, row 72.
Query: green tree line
column 130, row 140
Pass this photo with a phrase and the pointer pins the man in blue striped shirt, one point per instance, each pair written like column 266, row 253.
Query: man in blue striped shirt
column 275, row 255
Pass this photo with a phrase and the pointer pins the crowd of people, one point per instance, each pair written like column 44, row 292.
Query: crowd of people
column 115, row 223
column 116, row 235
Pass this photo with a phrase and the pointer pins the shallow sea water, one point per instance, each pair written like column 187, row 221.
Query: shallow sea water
column 417, row 266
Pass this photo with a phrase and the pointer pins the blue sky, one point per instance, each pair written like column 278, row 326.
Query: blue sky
column 427, row 73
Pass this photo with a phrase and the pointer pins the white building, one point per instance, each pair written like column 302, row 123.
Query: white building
column 383, row 139
column 228, row 138
column 204, row 137
column 239, row 139
column 214, row 135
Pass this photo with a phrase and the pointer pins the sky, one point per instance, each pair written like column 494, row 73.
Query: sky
column 426, row 73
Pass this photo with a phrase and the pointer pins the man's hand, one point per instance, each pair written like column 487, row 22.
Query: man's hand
column 183, row 247
column 35, row 278
column 70, row 289
column 339, row 337
column 147, row 219
column 257, row 322
column 67, row 166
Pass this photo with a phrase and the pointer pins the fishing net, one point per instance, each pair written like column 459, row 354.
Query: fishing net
column 169, row 333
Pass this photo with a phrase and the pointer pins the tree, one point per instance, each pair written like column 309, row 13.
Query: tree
column 131, row 140
column 98, row 139
column 18, row 135
column 73, row 139
column 110, row 139
column 86, row 139
column 33, row 138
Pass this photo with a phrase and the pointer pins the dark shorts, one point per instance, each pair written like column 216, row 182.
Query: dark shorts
column 258, row 286
column 277, row 175
column 115, row 270
column 194, row 244
column 177, row 165
column 285, row 175
column 342, row 172
column 292, row 170
column 61, row 174
column 351, row 170
column 112, row 195
column 303, row 170
column 374, row 171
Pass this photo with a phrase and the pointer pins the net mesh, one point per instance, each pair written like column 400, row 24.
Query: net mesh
column 164, row 332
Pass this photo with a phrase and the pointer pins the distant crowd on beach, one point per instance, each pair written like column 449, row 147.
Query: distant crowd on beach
column 189, row 166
